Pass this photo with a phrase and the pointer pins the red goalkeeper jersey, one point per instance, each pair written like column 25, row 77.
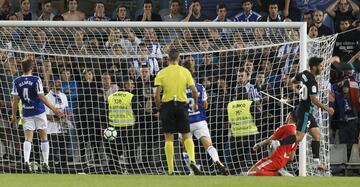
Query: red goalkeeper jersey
column 281, row 155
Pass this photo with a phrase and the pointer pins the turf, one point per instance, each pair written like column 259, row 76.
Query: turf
column 171, row 181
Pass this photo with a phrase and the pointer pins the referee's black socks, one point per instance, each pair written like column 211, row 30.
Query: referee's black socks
column 288, row 140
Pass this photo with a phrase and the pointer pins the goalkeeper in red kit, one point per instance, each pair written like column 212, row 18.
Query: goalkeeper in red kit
column 281, row 155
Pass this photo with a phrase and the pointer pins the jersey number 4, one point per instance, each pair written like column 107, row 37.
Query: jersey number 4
column 26, row 94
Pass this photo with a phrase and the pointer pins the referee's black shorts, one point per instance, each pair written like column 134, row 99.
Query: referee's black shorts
column 174, row 117
column 305, row 120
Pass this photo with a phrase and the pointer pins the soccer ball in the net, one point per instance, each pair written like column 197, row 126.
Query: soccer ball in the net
column 110, row 133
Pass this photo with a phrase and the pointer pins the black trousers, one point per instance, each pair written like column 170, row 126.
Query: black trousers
column 126, row 143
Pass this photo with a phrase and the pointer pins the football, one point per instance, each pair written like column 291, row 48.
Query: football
column 110, row 133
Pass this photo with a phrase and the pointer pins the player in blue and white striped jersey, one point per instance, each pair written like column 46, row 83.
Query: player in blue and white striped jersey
column 198, row 125
column 29, row 89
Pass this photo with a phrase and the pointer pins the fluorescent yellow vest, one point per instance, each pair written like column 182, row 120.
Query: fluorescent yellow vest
column 120, row 110
column 240, row 118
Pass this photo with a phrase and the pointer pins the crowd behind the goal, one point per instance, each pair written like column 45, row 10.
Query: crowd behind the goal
column 129, row 59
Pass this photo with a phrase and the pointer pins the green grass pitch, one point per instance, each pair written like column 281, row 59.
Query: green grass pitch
column 38, row 180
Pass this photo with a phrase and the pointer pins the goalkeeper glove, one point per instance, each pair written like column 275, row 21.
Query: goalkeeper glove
column 257, row 146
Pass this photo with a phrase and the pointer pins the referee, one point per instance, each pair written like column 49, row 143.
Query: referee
column 174, row 80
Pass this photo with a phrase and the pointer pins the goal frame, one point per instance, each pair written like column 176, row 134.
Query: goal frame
column 302, row 26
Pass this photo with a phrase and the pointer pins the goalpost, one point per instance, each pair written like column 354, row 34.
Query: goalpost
column 234, row 61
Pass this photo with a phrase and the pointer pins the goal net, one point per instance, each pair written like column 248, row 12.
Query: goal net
column 89, row 61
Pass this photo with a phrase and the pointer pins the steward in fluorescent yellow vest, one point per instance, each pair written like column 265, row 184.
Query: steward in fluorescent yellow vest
column 243, row 133
column 120, row 109
column 240, row 118
column 123, row 109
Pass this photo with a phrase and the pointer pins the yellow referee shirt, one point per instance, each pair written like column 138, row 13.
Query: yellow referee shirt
column 174, row 80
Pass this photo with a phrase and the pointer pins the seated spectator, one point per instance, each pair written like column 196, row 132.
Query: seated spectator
column 194, row 13
column 274, row 15
column 99, row 14
column 221, row 13
column 318, row 20
column 175, row 14
column 5, row 10
column 343, row 12
column 307, row 17
column 283, row 6
column 121, row 14
column 46, row 14
column 148, row 14
column 248, row 14
column 73, row 14
column 347, row 44
column 24, row 13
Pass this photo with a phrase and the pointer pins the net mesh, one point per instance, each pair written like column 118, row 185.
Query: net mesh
column 92, row 63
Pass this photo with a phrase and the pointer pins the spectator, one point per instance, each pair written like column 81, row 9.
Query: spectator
column 56, row 127
column 248, row 14
column 73, row 14
column 243, row 89
column 46, row 14
column 152, row 42
column 8, row 134
column 89, row 128
column 114, row 38
column 283, row 5
column 194, row 13
column 208, row 69
column 5, row 8
column 204, row 47
column 307, row 17
column 121, row 14
column 274, row 15
column 99, row 14
column 69, row 88
column 218, row 114
column 347, row 44
column 313, row 31
column 108, row 87
column 47, row 74
column 318, row 20
column 148, row 14
column 24, row 13
column 175, row 14
column 343, row 12
column 144, row 58
column 130, row 42
column 78, row 44
column 147, row 117
column 345, row 117
column 221, row 13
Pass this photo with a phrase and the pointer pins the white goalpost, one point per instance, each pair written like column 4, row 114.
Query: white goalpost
column 88, row 61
